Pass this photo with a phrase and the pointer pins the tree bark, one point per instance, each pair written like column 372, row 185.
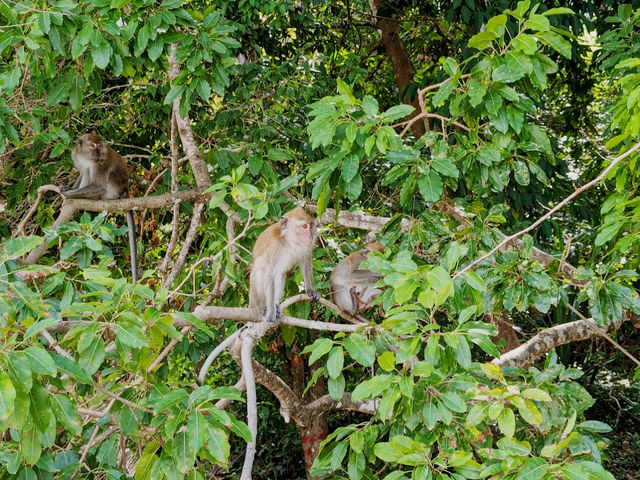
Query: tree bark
column 396, row 52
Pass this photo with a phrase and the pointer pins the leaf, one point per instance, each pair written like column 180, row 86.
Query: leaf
column 398, row 111
column 130, row 334
column 533, row 469
column 372, row 387
column 170, row 399
column 539, row 23
column 335, row 362
column 476, row 91
column 350, row 166
column 521, row 172
column 196, row 427
column 555, row 41
column 594, row 426
column 453, row 401
column 318, row 349
column 101, row 53
column 430, row 186
column 359, row 349
column 507, row 422
column 525, row 43
column 218, row 445
column 442, row 94
column 583, row 470
column 30, row 445
column 446, row 166
column 493, row 103
column 370, row 106
column 482, row 40
column 183, row 454
column 387, row 362
column 66, row 413
column 7, row 396
column 475, row 281
column 40, row 360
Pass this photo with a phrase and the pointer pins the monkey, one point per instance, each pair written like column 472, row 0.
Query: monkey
column 103, row 176
column 276, row 252
column 352, row 289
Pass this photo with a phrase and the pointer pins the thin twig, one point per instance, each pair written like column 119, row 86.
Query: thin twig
column 575, row 193
column 603, row 333
column 216, row 351
column 167, row 349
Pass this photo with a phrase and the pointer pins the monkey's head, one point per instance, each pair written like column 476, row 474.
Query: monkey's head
column 298, row 227
column 375, row 247
column 91, row 145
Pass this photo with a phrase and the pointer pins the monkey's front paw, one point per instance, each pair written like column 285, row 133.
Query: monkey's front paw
column 314, row 295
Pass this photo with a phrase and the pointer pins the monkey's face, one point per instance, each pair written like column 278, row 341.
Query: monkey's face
column 92, row 146
column 304, row 232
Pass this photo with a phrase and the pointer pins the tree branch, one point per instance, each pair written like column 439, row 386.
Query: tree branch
column 547, row 215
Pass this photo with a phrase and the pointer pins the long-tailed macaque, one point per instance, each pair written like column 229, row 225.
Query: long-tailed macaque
column 352, row 288
column 103, row 176
column 276, row 252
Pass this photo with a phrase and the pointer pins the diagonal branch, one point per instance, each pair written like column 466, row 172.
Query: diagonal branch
column 550, row 213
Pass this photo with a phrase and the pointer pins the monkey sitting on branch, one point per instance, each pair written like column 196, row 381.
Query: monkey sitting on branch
column 103, row 176
column 352, row 288
column 276, row 252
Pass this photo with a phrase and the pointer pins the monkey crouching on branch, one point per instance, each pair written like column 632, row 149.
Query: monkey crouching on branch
column 103, row 176
column 352, row 288
column 276, row 252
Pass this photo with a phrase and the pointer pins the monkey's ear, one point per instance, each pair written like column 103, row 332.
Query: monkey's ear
column 284, row 221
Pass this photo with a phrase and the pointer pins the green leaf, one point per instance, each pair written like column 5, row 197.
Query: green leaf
column 335, row 362
column 318, row 349
column 583, row 470
column 493, row 103
column 446, row 166
column 453, row 401
column 30, row 446
column 16, row 247
column 40, row 360
column 442, row 94
column 130, row 334
column 507, row 422
column 387, row 362
column 370, row 106
column 476, row 91
column 475, row 281
column 594, row 426
column 482, row 40
column 66, row 413
column 359, row 349
column 170, row 399
column 398, row 111
column 387, row 452
column 7, row 396
column 555, row 41
column 525, row 43
column 350, row 166
column 58, row 94
column 521, row 172
column 218, row 445
column 101, row 53
column 372, row 387
column 183, row 454
column 539, row 23
column 533, row 469
column 196, row 428
column 430, row 186
column 557, row 11
column 335, row 386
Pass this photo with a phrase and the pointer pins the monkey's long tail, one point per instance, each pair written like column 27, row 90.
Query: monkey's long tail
column 133, row 252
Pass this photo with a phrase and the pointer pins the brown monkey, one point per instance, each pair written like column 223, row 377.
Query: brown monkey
column 352, row 289
column 103, row 176
column 276, row 252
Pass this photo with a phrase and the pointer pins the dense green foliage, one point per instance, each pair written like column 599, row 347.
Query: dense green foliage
column 522, row 101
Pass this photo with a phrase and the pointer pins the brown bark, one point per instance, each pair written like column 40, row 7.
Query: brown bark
column 402, row 65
